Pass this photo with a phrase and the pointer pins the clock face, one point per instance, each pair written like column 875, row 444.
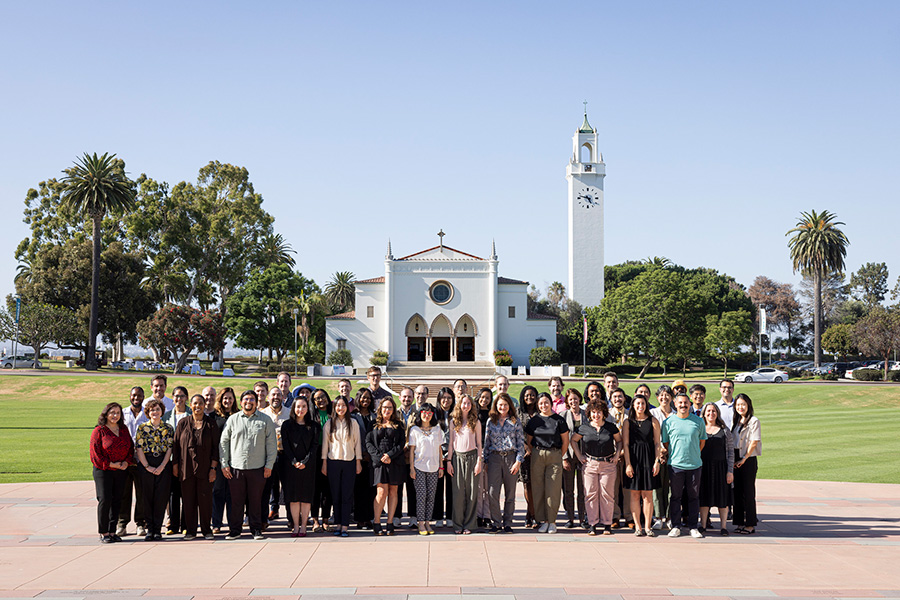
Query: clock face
column 588, row 197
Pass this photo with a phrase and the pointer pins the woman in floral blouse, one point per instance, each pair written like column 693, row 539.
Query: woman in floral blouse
column 154, row 449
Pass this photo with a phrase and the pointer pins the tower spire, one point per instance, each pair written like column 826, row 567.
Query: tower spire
column 493, row 250
column 389, row 255
column 586, row 127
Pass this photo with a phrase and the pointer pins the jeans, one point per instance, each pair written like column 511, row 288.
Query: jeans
column 108, row 486
column 685, row 491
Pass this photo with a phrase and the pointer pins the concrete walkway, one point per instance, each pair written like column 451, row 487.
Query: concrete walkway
column 817, row 540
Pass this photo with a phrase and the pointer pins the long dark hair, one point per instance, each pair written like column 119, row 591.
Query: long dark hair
column 749, row 402
column 527, row 410
column 101, row 420
column 424, row 407
column 395, row 417
column 599, row 385
column 362, row 392
column 441, row 414
column 328, row 402
column 495, row 414
column 307, row 418
column 719, row 420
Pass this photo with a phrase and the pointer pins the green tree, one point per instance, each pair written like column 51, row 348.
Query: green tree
column 726, row 333
column 39, row 324
column 95, row 186
column 779, row 301
column 817, row 248
column 878, row 333
column 341, row 291
column 838, row 339
column 273, row 249
column 870, row 283
column 169, row 332
column 256, row 316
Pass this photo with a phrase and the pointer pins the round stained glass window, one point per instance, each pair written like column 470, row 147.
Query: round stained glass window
column 441, row 292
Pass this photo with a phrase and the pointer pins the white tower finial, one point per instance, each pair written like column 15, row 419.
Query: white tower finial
column 389, row 255
column 493, row 250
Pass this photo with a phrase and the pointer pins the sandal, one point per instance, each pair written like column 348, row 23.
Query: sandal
column 748, row 531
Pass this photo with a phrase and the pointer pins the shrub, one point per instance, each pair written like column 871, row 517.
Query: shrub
column 545, row 355
column 379, row 358
column 868, row 374
column 502, row 358
column 340, row 357
column 829, row 377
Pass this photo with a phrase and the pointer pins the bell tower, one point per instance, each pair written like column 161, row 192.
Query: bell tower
column 584, row 174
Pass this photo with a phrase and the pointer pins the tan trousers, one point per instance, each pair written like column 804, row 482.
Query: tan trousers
column 546, row 483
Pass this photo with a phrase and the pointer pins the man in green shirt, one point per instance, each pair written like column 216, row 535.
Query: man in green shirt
column 684, row 434
column 248, row 449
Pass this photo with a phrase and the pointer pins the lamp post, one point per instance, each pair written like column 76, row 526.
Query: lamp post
column 584, row 345
column 18, row 298
column 295, row 311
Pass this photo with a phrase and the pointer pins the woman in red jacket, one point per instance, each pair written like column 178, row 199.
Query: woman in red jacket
column 112, row 451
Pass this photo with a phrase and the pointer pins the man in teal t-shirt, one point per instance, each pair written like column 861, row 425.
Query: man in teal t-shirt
column 683, row 434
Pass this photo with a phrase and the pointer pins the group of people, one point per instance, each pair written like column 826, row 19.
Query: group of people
column 191, row 462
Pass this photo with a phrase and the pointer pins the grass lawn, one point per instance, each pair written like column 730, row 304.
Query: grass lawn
column 810, row 431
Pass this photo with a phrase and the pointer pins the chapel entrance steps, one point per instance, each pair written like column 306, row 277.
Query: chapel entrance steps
column 437, row 375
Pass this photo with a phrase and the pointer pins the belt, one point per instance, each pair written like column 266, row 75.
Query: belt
column 504, row 452
column 608, row 459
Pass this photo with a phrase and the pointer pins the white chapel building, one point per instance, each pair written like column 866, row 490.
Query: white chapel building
column 440, row 305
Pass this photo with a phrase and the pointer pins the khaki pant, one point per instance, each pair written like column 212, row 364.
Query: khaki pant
column 599, row 484
column 546, row 483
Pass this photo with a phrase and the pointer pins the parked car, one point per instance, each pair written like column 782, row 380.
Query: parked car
column 761, row 375
column 21, row 363
column 799, row 364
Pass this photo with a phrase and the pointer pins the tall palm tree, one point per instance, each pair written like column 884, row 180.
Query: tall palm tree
column 272, row 249
column 340, row 291
column 95, row 186
column 818, row 247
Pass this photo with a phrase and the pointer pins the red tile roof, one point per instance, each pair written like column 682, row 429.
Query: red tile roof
column 508, row 281
column 539, row 317
column 372, row 280
column 346, row 316
column 445, row 246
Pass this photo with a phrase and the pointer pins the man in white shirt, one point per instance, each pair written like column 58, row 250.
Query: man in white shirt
column 284, row 384
column 726, row 402
column 158, row 391
column 133, row 416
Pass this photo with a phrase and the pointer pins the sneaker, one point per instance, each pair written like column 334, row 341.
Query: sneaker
column 494, row 529
column 544, row 528
column 695, row 533
column 258, row 535
column 121, row 531
column 142, row 531
column 232, row 536
column 551, row 528
column 607, row 530
column 570, row 524
column 106, row 539
column 190, row 537
column 650, row 533
column 676, row 531
column 208, row 536
column 507, row 529
column 148, row 537
column 657, row 524
column 157, row 537
column 592, row 530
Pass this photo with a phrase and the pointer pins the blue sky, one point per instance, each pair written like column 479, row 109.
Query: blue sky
column 362, row 121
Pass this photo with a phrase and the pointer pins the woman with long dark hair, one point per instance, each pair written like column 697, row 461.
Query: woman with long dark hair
column 640, row 438
column 364, row 490
column 485, row 400
column 112, row 451
column 748, row 434
column 443, row 500
column 385, row 445
column 718, row 467
column 527, row 409
column 426, row 464
column 300, row 442
column 225, row 406
column 573, row 473
column 321, row 504
column 342, row 453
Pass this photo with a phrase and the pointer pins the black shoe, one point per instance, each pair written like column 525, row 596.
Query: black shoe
column 584, row 525
column 701, row 529
column 376, row 529
column 115, row 537
column 507, row 529
column 148, row 537
column 106, row 539
column 390, row 529
column 570, row 524
column 494, row 529
column 157, row 537
column 592, row 530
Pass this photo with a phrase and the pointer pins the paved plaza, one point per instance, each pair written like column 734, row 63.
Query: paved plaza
column 816, row 540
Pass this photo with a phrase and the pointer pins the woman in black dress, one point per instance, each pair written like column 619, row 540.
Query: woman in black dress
column 640, row 436
column 718, row 467
column 299, row 440
column 385, row 445
column 527, row 409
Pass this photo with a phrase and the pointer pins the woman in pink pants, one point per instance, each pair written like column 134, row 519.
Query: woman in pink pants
column 600, row 450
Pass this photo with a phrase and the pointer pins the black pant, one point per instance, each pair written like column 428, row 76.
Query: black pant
column 443, row 499
column 364, row 495
column 221, row 498
column 341, row 476
column 175, row 510
column 322, row 496
column 272, row 491
column 246, row 490
column 410, row 485
column 197, row 495
column 132, row 483
column 108, row 486
column 745, row 494
column 685, row 486
column 156, row 490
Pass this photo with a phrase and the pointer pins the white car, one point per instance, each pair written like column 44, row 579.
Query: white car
column 763, row 374
column 21, row 363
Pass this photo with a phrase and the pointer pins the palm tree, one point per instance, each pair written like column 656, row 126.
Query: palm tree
column 340, row 291
column 273, row 250
column 818, row 248
column 657, row 261
column 95, row 186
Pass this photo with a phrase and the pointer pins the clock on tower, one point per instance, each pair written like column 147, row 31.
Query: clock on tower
column 584, row 174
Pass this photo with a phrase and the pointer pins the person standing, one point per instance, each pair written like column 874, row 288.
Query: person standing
column 226, row 405
column 548, row 437
column 112, row 451
column 373, row 375
column 748, row 434
column 684, row 435
column 363, row 486
column 661, row 494
column 299, row 438
column 718, row 468
column 279, row 413
column 154, row 442
column 284, row 384
column 527, row 409
column 504, row 452
column 321, row 408
column 173, row 416
column 247, row 448
column 464, row 463
column 443, row 500
column 407, row 415
column 158, row 385
column 557, row 399
column 385, row 444
column 573, row 472
column 726, row 403
column 426, row 464
column 342, row 453
column 209, row 397
column 640, row 439
column 599, row 451
column 195, row 455
column 133, row 417
column 618, row 414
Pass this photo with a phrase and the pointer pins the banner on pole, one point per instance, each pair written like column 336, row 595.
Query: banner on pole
column 585, row 330
column 762, row 321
